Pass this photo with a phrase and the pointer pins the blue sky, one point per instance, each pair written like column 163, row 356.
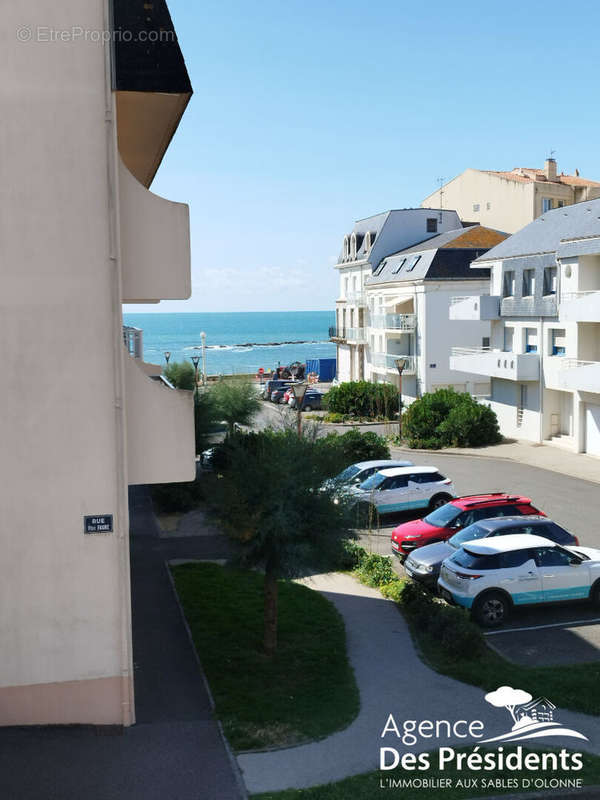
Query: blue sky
column 309, row 115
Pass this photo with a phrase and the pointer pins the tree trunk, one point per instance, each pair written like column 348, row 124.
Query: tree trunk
column 270, row 633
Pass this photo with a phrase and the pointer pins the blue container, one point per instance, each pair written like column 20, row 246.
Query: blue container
column 324, row 367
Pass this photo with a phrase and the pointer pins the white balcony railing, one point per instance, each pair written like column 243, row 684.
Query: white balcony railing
column 475, row 307
column 356, row 298
column 572, row 374
column 397, row 322
column 580, row 306
column 387, row 361
column 495, row 363
column 357, row 335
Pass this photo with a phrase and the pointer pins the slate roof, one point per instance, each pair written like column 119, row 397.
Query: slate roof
column 447, row 256
column 544, row 235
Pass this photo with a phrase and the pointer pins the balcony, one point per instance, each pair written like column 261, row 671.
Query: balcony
column 337, row 334
column 357, row 299
column 160, row 429
column 572, row 374
column 356, row 335
column 396, row 322
column 580, row 306
column 496, row 364
column 387, row 361
column 475, row 307
column 155, row 244
column 545, row 306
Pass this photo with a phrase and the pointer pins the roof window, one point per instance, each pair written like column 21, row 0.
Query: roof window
column 414, row 261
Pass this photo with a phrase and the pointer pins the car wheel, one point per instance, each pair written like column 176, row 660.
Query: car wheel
column 595, row 594
column 307, row 408
column 491, row 610
column 439, row 500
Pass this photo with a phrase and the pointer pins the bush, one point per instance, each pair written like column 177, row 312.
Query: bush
column 351, row 555
column 181, row 374
column 169, row 498
column 235, row 402
column 375, row 570
column 447, row 418
column 363, row 399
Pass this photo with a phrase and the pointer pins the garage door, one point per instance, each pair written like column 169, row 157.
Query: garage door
column 592, row 430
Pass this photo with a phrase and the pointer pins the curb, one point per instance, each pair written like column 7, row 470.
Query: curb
column 232, row 759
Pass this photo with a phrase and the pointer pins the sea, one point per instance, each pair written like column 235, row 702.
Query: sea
column 236, row 342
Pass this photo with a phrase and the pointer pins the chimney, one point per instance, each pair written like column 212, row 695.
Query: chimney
column 550, row 169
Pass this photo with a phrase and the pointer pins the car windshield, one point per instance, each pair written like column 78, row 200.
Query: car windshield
column 468, row 534
column 347, row 474
column 374, row 482
column 443, row 515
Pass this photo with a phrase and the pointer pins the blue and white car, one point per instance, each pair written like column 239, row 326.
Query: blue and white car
column 357, row 473
column 403, row 489
column 491, row 576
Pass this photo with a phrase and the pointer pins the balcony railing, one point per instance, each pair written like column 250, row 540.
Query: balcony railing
column 475, row 307
column 572, row 374
column 545, row 306
column 398, row 322
column 337, row 333
column 388, row 361
column 496, row 363
column 357, row 335
column 356, row 298
column 580, row 306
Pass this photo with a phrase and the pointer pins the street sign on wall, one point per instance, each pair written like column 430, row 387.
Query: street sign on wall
column 98, row 524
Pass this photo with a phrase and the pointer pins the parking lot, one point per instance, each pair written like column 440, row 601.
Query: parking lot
column 544, row 635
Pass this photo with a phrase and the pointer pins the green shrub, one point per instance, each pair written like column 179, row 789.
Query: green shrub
column 375, row 570
column 181, row 374
column 363, row 399
column 447, row 418
column 173, row 497
column 351, row 556
column 334, row 417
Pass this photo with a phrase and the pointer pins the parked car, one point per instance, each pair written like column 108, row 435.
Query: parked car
column 401, row 489
column 288, row 395
column 272, row 384
column 313, row 400
column 492, row 575
column 424, row 564
column 456, row 515
column 357, row 473
column 277, row 394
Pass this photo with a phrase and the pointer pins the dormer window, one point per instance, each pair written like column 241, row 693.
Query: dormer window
column 346, row 248
column 367, row 241
column 353, row 246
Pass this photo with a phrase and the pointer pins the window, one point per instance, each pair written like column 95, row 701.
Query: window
column 426, row 477
column 399, row 266
column 475, row 207
column 485, row 342
column 463, row 558
column 508, row 339
column 378, row 270
column 514, row 558
column 558, row 347
column 553, row 531
column 415, row 260
column 432, row 224
column 353, row 246
column 549, row 280
column 546, row 204
column 531, row 340
column 399, row 482
column 553, row 557
column 508, row 287
column 528, row 282
column 561, row 204
column 346, row 247
column 488, row 206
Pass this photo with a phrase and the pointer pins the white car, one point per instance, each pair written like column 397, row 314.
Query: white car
column 359, row 472
column 403, row 489
column 492, row 575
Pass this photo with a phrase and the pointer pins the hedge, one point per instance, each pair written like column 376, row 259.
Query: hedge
column 363, row 399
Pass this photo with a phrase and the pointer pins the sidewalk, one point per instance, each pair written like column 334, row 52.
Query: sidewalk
column 555, row 459
column 392, row 680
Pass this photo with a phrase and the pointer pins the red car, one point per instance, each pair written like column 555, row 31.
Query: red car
column 446, row 520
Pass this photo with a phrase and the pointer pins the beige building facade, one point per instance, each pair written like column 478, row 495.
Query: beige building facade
column 86, row 123
column 510, row 200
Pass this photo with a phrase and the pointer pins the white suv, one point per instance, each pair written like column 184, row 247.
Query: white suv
column 490, row 576
column 403, row 489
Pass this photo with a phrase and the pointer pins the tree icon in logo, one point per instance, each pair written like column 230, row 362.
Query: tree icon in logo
column 509, row 698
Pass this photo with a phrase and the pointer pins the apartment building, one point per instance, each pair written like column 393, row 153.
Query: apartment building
column 544, row 308
column 371, row 240
column 86, row 123
column 509, row 200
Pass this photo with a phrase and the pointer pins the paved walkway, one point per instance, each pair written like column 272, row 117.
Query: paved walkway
column 392, row 680
column 175, row 751
column 545, row 456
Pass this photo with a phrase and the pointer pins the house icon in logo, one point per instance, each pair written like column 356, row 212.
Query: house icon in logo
column 540, row 710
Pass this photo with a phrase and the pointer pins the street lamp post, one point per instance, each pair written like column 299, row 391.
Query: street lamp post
column 400, row 366
column 203, row 338
column 167, row 356
column 195, row 360
column 299, row 390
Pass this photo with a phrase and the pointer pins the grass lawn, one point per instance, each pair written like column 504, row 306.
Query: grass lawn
column 306, row 691
column 366, row 787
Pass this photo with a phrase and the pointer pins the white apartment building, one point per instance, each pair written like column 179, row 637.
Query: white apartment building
column 394, row 302
column 544, row 308
column 85, row 127
column 509, row 200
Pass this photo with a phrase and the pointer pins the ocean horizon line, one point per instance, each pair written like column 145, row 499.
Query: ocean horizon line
column 279, row 311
